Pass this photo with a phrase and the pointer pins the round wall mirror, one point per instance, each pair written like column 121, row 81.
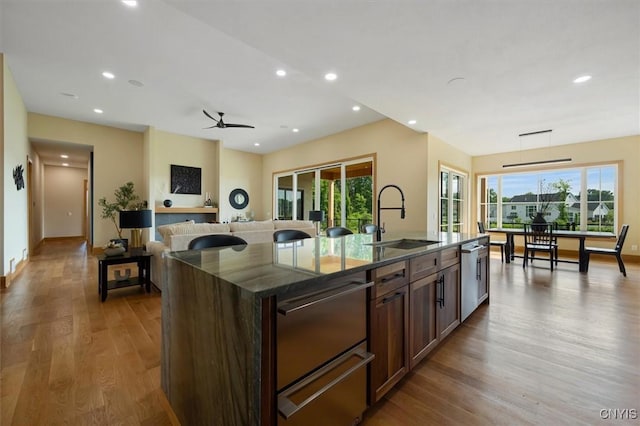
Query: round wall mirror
column 239, row 199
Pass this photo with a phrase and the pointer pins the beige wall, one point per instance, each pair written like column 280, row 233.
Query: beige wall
column 626, row 150
column 403, row 157
column 243, row 170
column 118, row 158
column 170, row 148
column 63, row 201
column 15, row 150
column 401, row 160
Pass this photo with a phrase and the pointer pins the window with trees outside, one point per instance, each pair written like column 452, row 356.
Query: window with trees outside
column 343, row 191
column 452, row 200
column 581, row 198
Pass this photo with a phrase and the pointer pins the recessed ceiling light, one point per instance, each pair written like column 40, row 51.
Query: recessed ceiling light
column 65, row 164
column 98, row 111
column 70, row 95
column 136, row 83
column 330, row 76
column 356, row 108
column 256, row 144
column 108, row 75
column 412, row 121
column 295, row 130
column 130, row 3
column 582, row 79
column 281, row 73
column 64, row 156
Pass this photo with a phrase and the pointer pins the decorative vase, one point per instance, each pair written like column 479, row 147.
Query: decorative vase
column 538, row 221
column 167, row 203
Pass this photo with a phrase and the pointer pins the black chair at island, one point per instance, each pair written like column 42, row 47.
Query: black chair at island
column 289, row 235
column 215, row 240
column 338, row 231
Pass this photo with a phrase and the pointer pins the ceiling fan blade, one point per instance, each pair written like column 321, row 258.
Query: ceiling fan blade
column 209, row 115
column 238, row 125
column 212, row 127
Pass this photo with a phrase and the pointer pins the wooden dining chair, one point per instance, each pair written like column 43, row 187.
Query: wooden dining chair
column 539, row 237
column 616, row 251
column 494, row 243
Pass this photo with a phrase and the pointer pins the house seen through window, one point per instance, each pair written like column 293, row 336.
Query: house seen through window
column 583, row 198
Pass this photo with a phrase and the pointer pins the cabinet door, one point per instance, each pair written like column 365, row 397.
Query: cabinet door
column 389, row 341
column 483, row 275
column 449, row 294
column 423, row 334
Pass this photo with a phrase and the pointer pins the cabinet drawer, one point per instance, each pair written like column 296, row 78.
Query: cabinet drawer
column 388, row 278
column 449, row 257
column 424, row 265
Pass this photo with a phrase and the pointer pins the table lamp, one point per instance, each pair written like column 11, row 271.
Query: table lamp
column 316, row 216
column 135, row 220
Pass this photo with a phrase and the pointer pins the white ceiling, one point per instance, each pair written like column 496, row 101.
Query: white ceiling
column 475, row 73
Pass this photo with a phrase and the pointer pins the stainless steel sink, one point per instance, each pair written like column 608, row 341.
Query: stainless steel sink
column 404, row 244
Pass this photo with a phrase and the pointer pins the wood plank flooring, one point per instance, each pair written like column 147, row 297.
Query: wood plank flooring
column 553, row 348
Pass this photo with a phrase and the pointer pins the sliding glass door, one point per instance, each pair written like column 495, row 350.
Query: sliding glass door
column 343, row 191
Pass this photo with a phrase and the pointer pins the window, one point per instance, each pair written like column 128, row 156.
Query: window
column 452, row 200
column 581, row 197
column 343, row 191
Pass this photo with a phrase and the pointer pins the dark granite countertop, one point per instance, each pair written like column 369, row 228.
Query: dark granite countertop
column 266, row 269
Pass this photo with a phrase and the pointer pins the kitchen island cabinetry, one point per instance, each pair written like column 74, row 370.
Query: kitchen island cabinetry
column 388, row 328
column 434, row 299
column 223, row 352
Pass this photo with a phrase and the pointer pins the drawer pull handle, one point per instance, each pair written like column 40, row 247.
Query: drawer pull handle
column 393, row 277
column 390, row 298
column 297, row 304
column 288, row 408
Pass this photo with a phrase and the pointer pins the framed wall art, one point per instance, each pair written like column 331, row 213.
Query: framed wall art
column 186, row 180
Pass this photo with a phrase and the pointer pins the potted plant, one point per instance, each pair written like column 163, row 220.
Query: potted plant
column 126, row 199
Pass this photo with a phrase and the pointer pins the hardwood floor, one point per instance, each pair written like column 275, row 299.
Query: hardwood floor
column 552, row 348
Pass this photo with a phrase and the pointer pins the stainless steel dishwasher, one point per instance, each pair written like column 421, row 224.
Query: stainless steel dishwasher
column 470, row 276
column 321, row 354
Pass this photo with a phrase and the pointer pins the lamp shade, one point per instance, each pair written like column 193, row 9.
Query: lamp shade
column 135, row 219
column 316, row 215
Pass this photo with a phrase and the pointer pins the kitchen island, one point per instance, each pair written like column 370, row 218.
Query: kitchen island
column 222, row 309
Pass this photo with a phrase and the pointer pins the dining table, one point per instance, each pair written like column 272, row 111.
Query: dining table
column 581, row 236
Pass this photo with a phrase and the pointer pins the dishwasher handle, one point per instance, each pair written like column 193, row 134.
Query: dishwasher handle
column 471, row 249
column 288, row 408
column 294, row 305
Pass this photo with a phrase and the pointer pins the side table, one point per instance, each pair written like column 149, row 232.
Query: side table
column 143, row 259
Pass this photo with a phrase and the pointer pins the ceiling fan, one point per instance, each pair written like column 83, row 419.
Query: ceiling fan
column 221, row 124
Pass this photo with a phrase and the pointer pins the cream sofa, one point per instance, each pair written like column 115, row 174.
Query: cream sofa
column 177, row 236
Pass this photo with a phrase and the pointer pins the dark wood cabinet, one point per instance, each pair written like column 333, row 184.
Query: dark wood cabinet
column 423, row 312
column 448, row 317
column 434, row 301
column 389, row 328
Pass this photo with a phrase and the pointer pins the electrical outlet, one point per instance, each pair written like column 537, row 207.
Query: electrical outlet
column 634, row 247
